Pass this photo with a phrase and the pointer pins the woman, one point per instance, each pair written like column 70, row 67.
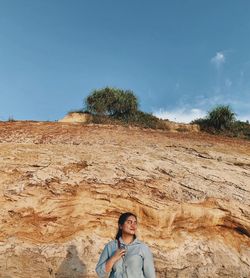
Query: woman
column 126, row 256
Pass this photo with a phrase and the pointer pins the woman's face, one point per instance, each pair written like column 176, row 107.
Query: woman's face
column 130, row 226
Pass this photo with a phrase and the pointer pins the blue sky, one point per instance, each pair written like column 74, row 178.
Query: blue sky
column 181, row 58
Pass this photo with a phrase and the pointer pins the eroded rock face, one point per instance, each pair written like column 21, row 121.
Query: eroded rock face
column 63, row 187
column 75, row 117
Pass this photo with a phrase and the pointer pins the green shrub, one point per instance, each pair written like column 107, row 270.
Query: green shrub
column 221, row 120
column 139, row 119
column 203, row 123
column 105, row 120
column 116, row 106
column 221, row 117
column 241, row 129
column 111, row 101
column 142, row 119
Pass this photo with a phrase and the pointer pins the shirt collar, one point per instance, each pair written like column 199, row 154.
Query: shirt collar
column 133, row 242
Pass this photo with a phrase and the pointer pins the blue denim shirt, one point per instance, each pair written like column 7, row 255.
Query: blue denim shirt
column 137, row 263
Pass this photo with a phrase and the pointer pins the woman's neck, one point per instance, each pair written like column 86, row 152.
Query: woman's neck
column 127, row 238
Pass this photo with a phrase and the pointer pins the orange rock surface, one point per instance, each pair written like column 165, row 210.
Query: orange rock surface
column 63, row 186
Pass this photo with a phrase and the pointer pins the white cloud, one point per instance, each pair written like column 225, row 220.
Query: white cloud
column 218, row 59
column 243, row 118
column 181, row 115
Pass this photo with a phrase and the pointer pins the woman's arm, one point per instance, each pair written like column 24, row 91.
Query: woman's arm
column 116, row 257
column 105, row 263
column 100, row 267
column 148, row 264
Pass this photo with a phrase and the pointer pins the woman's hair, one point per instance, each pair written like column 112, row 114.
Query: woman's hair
column 123, row 217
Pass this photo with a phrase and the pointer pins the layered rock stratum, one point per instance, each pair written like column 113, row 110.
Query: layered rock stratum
column 63, row 186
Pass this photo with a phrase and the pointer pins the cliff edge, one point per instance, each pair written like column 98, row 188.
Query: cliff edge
column 64, row 185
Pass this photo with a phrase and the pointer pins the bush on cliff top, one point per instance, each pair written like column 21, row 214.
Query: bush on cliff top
column 112, row 102
column 218, row 119
column 116, row 106
column 222, row 120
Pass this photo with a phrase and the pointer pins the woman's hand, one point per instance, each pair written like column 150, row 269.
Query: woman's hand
column 119, row 253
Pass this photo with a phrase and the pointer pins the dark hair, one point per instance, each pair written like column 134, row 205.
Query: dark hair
column 123, row 217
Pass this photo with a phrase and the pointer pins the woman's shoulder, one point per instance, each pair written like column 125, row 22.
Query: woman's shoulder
column 144, row 246
column 111, row 243
column 142, row 243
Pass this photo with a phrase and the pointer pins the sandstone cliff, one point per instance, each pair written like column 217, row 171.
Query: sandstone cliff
column 63, row 186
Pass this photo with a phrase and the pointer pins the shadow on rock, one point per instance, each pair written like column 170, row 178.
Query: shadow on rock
column 72, row 266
